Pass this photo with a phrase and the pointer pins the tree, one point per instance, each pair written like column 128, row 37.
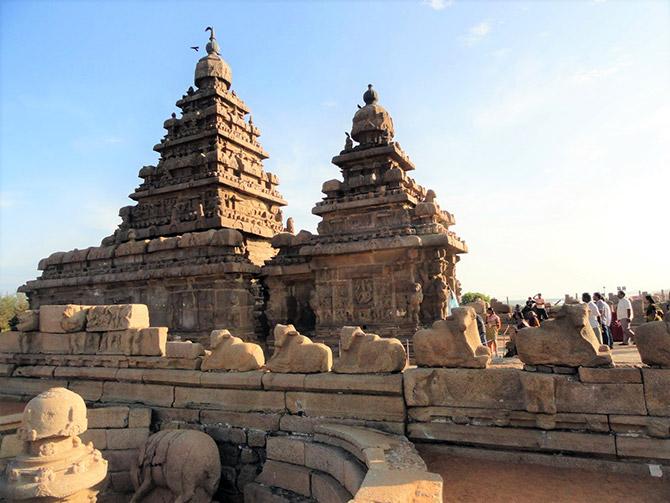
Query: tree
column 10, row 306
column 468, row 297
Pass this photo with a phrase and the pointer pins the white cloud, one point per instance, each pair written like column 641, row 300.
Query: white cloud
column 438, row 4
column 477, row 33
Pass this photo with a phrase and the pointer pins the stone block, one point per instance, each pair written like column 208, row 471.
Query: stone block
column 153, row 341
column 147, row 394
column 139, row 417
column 121, row 482
column 229, row 399
column 49, row 343
column 256, row 438
column 645, row 448
column 170, row 376
column 13, row 342
column 255, row 421
column 287, row 449
column 84, row 343
column 325, row 458
column 135, row 342
column 325, row 489
column 614, row 375
column 232, row 380
column 63, row 318
column 380, row 408
column 120, row 460
column 246, row 475
column 488, row 388
column 116, row 317
column 575, row 396
column 108, row 417
column 652, row 426
column 10, row 446
column 653, row 343
column 127, row 438
column 657, row 391
column 93, row 373
column 91, row 391
column 539, row 392
column 262, row 494
column 227, row 434
column 182, row 417
column 368, row 384
column 98, row 437
column 6, row 369
column 28, row 321
column 35, row 371
column 28, row 387
column 354, row 474
column 132, row 375
column 284, row 382
column 184, row 349
column 286, row 476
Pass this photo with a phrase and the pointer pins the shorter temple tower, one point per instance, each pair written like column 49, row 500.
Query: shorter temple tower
column 384, row 257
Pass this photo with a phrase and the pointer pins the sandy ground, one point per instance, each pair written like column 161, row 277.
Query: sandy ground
column 475, row 480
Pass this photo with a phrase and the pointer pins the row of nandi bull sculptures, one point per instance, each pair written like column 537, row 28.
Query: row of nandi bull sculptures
column 566, row 340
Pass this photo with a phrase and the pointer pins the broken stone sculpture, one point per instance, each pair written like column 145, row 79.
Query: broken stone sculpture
column 363, row 353
column 295, row 353
column 231, row 353
column 60, row 319
column 117, row 317
column 28, row 321
column 54, row 464
column 567, row 340
column 653, row 342
column 177, row 466
column 453, row 342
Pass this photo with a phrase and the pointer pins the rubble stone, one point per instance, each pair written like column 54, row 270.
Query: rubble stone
column 652, row 340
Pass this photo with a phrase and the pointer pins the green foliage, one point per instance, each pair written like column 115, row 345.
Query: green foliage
column 468, row 297
column 10, row 306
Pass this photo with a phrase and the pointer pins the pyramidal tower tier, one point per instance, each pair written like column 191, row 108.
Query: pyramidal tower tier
column 210, row 173
column 192, row 245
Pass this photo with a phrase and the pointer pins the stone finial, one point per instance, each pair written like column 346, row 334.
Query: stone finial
column 290, row 226
column 452, row 342
column 183, row 463
column 652, row 340
column 54, row 464
column 568, row 340
column 231, row 353
column 370, row 96
column 212, row 46
column 295, row 353
column 363, row 353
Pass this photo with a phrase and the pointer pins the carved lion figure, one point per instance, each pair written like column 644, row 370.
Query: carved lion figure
column 566, row 340
column 363, row 353
column 231, row 353
column 295, row 353
column 177, row 466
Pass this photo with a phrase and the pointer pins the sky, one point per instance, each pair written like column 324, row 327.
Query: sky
column 544, row 126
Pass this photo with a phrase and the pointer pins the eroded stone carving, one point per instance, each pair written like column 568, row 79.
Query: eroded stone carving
column 54, row 464
column 295, row 353
column 566, row 340
column 231, row 353
column 28, row 321
column 363, row 353
column 453, row 342
column 653, row 342
column 117, row 317
column 55, row 319
column 177, row 466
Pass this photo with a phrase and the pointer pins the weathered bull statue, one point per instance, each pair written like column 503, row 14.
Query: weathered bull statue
column 295, row 353
column 363, row 353
column 567, row 340
column 652, row 340
column 231, row 353
column 453, row 342
column 177, row 466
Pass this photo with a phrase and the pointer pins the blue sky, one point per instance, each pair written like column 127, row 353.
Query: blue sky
column 543, row 126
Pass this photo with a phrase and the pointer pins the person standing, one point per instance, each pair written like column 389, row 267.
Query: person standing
column 594, row 315
column 605, row 318
column 540, row 307
column 493, row 325
column 653, row 312
column 624, row 313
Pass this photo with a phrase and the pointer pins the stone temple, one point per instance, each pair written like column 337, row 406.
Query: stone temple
column 204, row 245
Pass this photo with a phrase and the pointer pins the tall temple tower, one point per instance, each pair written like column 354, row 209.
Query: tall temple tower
column 192, row 246
column 384, row 257
column 210, row 173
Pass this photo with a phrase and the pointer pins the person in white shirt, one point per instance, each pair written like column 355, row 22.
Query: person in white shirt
column 624, row 313
column 605, row 318
column 594, row 315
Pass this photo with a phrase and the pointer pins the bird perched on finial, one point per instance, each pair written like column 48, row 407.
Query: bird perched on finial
column 212, row 46
column 195, row 47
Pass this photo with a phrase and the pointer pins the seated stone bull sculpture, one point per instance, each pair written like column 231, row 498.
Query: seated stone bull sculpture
column 295, row 353
column 231, row 353
column 363, row 353
column 452, row 342
column 653, row 342
column 566, row 340
column 180, row 466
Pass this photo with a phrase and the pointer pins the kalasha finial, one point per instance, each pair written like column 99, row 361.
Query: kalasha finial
column 370, row 96
column 212, row 45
